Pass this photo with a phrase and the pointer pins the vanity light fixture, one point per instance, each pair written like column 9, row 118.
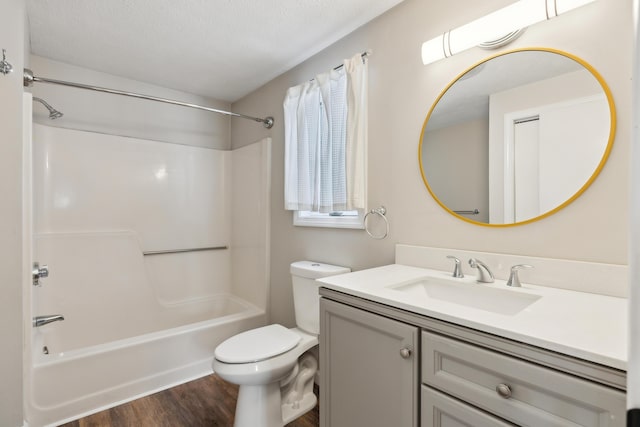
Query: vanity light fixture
column 504, row 24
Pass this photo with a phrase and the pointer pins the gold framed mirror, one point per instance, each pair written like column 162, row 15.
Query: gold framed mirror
column 517, row 137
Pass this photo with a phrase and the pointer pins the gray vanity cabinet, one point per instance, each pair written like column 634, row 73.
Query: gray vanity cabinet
column 368, row 368
column 516, row 390
column 440, row 410
column 372, row 372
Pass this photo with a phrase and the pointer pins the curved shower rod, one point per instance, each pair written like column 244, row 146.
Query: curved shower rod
column 29, row 79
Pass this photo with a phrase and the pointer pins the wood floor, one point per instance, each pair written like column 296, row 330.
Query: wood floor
column 205, row 402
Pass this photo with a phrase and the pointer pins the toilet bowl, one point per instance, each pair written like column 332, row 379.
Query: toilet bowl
column 272, row 364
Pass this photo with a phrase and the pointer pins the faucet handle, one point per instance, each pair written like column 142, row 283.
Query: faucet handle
column 514, row 280
column 457, row 270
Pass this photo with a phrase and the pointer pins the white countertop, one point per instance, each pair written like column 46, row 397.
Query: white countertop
column 587, row 326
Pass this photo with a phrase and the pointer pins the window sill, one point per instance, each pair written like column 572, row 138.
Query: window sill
column 327, row 221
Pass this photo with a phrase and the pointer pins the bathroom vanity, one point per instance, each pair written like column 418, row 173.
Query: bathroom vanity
column 390, row 357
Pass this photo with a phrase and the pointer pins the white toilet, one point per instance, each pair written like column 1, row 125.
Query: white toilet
column 272, row 364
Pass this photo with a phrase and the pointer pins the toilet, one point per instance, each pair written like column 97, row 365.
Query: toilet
column 272, row 364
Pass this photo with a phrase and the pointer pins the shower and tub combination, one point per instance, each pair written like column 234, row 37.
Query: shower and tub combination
column 155, row 253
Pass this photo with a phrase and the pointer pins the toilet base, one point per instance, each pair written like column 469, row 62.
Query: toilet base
column 289, row 413
column 297, row 393
column 258, row 406
column 278, row 403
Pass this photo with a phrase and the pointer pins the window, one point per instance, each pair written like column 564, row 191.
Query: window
column 325, row 147
column 336, row 219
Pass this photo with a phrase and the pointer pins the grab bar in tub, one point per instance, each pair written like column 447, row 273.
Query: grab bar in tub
column 177, row 251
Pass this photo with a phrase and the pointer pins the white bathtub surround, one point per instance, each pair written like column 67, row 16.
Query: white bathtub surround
column 250, row 221
column 137, row 323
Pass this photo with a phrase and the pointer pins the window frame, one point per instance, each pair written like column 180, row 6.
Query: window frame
column 311, row 219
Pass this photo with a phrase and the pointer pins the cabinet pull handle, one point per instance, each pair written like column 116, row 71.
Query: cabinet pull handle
column 405, row 352
column 503, row 391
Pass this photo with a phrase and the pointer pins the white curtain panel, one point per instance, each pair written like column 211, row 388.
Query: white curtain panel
column 357, row 125
column 333, row 187
column 302, row 136
column 325, row 141
column 290, row 106
column 309, row 138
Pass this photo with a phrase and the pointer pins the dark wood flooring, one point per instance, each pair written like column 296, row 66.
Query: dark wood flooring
column 205, row 402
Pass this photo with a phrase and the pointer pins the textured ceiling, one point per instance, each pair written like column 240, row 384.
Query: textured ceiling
column 219, row 48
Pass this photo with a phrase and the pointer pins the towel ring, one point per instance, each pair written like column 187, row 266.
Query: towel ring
column 381, row 211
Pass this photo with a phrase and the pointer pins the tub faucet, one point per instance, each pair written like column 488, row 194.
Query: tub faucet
column 43, row 320
column 484, row 274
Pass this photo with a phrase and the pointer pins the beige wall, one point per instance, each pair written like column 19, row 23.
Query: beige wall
column 455, row 160
column 12, row 32
column 593, row 228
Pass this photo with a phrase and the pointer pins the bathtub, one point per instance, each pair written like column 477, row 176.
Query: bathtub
column 153, row 261
column 66, row 385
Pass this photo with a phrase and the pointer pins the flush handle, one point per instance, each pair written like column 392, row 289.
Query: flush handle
column 39, row 273
column 405, row 352
column 503, row 390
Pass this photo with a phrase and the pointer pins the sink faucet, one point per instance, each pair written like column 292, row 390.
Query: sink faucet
column 484, row 274
column 457, row 270
column 43, row 320
column 514, row 280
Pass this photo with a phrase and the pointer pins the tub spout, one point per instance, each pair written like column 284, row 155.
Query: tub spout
column 43, row 320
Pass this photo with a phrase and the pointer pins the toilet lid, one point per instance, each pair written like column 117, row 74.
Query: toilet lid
column 257, row 344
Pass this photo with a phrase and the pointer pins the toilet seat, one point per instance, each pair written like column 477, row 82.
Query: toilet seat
column 267, row 370
column 257, row 344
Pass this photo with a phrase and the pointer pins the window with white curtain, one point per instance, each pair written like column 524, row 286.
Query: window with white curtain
column 325, row 147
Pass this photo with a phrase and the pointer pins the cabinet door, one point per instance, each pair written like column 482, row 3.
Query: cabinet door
column 440, row 410
column 368, row 369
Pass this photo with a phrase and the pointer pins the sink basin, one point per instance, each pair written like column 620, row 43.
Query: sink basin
column 468, row 294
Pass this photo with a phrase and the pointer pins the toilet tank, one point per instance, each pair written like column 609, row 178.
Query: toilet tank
column 306, row 299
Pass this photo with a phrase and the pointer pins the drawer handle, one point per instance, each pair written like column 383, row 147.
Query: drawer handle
column 503, row 391
column 405, row 352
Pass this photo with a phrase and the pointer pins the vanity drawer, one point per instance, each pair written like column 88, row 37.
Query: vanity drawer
column 440, row 410
column 533, row 395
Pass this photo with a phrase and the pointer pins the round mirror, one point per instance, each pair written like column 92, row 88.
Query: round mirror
column 517, row 137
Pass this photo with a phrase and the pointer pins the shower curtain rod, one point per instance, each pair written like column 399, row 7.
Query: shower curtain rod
column 29, row 79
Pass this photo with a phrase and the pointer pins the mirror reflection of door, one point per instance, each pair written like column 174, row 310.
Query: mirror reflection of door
column 549, row 153
column 523, row 200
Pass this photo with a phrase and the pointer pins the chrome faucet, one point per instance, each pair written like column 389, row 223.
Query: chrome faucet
column 43, row 320
column 514, row 280
column 457, row 270
column 484, row 274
